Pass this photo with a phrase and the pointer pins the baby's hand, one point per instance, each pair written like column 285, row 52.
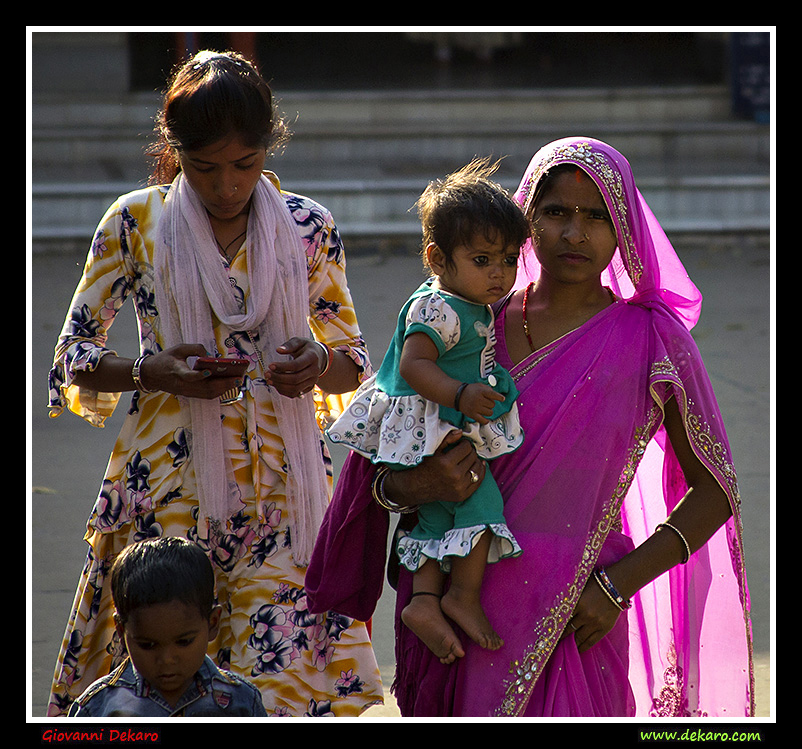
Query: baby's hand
column 478, row 400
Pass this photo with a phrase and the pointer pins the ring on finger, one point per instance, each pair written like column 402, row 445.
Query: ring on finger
column 474, row 476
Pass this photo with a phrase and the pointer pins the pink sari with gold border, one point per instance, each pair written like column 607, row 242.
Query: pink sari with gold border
column 594, row 477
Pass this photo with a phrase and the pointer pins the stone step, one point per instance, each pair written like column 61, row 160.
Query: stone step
column 372, row 134
column 361, row 109
column 368, row 155
column 385, row 207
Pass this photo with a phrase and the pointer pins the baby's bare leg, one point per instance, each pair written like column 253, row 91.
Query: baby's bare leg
column 462, row 600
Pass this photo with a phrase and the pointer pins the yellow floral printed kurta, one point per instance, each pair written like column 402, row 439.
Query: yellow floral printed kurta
column 304, row 664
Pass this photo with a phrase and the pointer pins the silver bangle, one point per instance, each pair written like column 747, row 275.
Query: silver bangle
column 329, row 354
column 681, row 537
column 136, row 375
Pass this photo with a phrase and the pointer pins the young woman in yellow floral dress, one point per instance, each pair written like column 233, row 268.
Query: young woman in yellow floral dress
column 220, row 262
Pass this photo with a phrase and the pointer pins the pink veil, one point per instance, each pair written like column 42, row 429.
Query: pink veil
column 645, row 263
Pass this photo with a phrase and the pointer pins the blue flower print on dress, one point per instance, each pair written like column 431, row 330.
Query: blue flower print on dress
column 128, row 225
column 281, row 634
column 271, row 639
column 320, row 709
column 348, row 683
column 326, row 310
column 178, row 449
column 82, row 322
column 110, row 510
column 98, row 247
column 147, row 527
column 227, row 549
column 315, row 220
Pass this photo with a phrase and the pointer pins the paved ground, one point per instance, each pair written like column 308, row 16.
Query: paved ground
column 68, row 457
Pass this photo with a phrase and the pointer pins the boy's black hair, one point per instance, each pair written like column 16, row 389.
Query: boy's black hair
column 159, row 570
column 468, row 203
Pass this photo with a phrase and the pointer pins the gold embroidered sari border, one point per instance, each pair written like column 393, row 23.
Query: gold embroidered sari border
column 712, row 452
column 526, row 670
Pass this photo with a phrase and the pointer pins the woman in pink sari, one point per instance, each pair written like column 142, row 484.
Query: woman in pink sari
column 630, row 597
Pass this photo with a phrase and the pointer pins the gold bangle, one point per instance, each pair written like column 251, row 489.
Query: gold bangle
column 377, row 489
column 137, row 376
column 681, row 537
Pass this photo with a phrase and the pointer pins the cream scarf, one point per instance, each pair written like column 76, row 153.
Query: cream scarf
column 194, row 287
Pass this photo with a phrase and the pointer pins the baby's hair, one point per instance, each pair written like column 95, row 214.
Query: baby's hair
column 468, row 203
column 160, row 570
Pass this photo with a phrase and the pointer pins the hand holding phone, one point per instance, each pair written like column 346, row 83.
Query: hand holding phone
column 218, row 366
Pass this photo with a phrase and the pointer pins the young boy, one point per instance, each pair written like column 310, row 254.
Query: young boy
column 163, row 591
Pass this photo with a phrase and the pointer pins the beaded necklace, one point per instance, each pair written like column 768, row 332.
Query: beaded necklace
column 526, row 324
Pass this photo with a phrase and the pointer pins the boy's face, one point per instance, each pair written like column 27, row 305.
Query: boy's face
column 167, row 643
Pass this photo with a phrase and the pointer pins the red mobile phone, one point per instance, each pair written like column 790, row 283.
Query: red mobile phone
column 219, row 366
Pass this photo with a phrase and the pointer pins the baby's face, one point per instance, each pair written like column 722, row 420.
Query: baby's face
column 480, row 271
column 167, row 643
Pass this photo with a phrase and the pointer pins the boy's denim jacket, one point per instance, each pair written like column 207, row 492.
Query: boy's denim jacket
column 124, row 692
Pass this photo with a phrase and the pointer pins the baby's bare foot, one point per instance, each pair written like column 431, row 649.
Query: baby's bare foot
column 424, row 617
column 467, row 611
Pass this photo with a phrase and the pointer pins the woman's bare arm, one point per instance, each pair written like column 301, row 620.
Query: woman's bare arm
column 700, row 513
column 166, row 371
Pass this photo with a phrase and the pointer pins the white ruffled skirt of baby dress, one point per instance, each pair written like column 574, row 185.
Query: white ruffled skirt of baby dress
column 400, row 431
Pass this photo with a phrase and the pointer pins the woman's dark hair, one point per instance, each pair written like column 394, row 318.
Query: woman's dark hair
column 209, row 97
column 160, row 570
column 468, row 203
column 550, row 175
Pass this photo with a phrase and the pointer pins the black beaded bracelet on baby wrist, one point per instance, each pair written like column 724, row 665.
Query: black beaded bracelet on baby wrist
column 459, row 395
